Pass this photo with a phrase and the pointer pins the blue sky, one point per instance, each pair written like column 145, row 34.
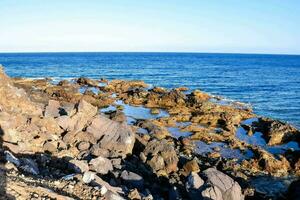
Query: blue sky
column 256, row 26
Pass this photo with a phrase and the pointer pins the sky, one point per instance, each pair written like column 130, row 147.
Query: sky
column 225, row 26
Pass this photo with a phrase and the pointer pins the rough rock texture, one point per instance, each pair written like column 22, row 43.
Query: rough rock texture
column 229, row 188
column 117, row 137
column 56, row 142
column 276, row 132
column 161, row 156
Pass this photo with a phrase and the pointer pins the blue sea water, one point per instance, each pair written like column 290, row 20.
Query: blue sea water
column 270, row 83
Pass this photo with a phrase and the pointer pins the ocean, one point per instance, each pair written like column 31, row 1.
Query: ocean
column 270, row 83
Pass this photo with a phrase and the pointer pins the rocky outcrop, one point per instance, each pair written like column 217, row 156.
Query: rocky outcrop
column 276, row 132
column 55, row 136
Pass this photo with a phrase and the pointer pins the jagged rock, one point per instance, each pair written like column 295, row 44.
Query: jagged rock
column 161, row 148
column 132, row 179
column 155, row 129
column 194, row 181
column 230, row 189
column 134, row 195
column 276, row 132
column 269, row 163
column 190, row 166
column 117, row 137
column 52, row 109
column 101, row 165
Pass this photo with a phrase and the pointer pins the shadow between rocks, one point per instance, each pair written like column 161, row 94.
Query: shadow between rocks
column 3, row 185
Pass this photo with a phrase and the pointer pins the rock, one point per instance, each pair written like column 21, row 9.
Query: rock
column 117, row 137
column 132, row 179
column 82, row 146
column 116, row 162
column 113, row 196
column 11, row 158
column 88, row 82
column 79, row 166
column 191, row 166
column 230, row 189
column 88, row 177
column 157, row 151
column 65, row 122
column 52, row 109
column 134, row 195
column 297, row 167
column 85, row 112
column 276, row 132
column 213, row 193
column 50, row 146
column 101, row 165
column 194, row 182
column 97, row 151
column 155, row 111
column 200, row 96
column 15, row 100
column 115, row 190
column 275, row 166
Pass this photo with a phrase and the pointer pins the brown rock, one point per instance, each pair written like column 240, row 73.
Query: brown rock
column 161, row 149
column 101, row 165
column 117, row 137
column 191, row 166
column 52, row 109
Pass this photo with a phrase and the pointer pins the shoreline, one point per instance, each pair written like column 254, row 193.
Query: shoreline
column 126, row 156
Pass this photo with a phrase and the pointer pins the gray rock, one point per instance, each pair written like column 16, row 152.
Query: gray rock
column 79, row 166
column 212, row 193
column 52, row 109
column 133, row 179
column 116, row 162
column 11, row 158
column 101, row 165
column 194, row 181
column 229, row 188
column 114, row 136
column 88, row 177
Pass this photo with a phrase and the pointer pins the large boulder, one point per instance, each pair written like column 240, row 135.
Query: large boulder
column 117, row 137
column 229, row 188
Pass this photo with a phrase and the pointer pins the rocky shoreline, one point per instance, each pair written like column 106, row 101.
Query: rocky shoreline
column 100, row 139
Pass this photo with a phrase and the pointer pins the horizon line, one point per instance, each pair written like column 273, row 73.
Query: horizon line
column 178, row 52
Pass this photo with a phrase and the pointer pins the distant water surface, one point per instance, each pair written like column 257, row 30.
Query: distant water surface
column 271, row 83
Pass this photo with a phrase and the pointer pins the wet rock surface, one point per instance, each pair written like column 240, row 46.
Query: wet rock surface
column 98, row 139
